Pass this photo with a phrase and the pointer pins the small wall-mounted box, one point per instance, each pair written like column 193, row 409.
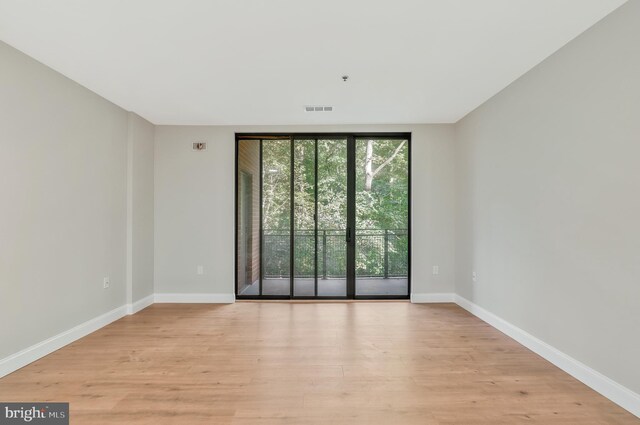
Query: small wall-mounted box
column 199, row 146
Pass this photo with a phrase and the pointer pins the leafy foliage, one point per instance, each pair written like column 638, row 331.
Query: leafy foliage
column 381, row 199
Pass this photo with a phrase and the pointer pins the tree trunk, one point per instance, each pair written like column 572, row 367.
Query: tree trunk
column 368, row 166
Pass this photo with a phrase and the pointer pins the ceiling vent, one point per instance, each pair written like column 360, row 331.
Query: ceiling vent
column 318, row 108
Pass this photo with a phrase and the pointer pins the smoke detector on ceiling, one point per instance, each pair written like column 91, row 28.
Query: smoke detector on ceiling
column 318, row 108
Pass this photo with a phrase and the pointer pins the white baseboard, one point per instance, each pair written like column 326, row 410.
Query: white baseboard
column 195, row 298
column 615, row 392
column 140, row 304
column 48, row 346
column 432, row 298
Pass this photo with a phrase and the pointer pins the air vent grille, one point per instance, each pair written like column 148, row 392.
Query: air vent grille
column 318, row 108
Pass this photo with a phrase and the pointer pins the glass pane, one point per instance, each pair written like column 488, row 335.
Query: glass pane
column 304, row 162
column 382, row 216
column 332, row 217
column 276, row 217
column 248, row 220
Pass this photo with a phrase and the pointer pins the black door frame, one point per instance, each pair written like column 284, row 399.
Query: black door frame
column 351, row 217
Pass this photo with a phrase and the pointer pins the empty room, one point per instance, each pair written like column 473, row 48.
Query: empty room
column 298, row 212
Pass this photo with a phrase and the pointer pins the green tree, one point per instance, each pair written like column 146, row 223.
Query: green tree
column 381, row 195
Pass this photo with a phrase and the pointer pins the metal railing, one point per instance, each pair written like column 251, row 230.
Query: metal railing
column 379, row 253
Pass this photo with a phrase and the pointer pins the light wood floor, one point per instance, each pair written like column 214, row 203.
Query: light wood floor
column 304, row 363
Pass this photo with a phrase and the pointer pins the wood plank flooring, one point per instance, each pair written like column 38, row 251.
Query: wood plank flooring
column 307, row 363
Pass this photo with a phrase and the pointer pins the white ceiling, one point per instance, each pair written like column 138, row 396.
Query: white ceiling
column 262, row 61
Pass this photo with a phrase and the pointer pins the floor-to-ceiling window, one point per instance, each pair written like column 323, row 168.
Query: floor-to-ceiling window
column 323, row 216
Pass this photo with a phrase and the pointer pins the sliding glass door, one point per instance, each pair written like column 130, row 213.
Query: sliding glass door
column 276, row 217
column 305, row 191
column 322, row 216
column 382, row 217
column 319, row 217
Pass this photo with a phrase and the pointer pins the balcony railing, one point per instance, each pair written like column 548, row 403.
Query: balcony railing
column 379, row 253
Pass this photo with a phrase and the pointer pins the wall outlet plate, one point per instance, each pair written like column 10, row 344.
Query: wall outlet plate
column 106, row 283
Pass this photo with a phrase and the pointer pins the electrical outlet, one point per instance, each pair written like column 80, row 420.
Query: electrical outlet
column 106, row 283
column 474, row 277
column 200, row 270
column 436, row 270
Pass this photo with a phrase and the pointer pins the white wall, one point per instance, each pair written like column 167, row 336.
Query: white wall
column 76, row 205
column 63, row 176
column 194, row 199
column 548, row 200
column 140, row 207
